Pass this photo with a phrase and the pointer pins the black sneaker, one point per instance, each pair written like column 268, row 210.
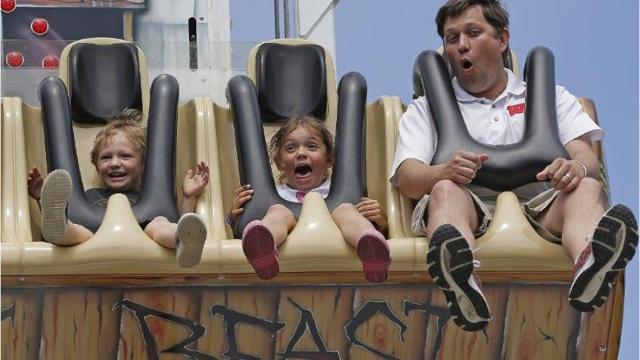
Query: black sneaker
column 54, row 198
column 612, row 247
column 450, row 264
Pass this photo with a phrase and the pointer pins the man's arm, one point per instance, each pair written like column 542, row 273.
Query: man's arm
column 566, row 174
column 580, row 149
column 416, row 178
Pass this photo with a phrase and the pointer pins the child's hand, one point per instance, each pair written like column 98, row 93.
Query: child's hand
column 240, row 197
column 194, row 182
column 34, row 183
column 373, row 211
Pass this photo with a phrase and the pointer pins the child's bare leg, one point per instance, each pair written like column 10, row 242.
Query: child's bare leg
column 280, row 221
column 187, row 237
column 162, row 231
column 75, row 234
column 350, row 223
column 55, row 195
column 370, row 244
column 261, row 238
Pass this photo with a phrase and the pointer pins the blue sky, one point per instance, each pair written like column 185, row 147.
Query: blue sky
column 596, row 48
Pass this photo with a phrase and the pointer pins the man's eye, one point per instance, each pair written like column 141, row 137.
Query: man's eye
column 475, row 32
column 452, row 39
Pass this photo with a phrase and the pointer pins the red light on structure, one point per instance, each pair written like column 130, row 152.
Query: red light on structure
column 50, row 62
column 8, row 6
column 39, row 26
column 14, row 59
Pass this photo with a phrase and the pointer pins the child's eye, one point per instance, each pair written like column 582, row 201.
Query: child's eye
column 312, row 146
column 290, row 148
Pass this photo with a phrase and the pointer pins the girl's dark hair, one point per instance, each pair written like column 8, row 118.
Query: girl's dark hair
column 277, row 141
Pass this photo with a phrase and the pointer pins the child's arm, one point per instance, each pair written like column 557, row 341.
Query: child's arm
column 192, row 186
column 240, row 197
column 34, row 184
column 374, row 212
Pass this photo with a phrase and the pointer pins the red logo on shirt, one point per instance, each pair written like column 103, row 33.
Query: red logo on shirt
column 516, row 109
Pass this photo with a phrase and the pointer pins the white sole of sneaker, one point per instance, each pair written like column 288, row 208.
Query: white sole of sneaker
column 450, row 264
column 613, row 246
column 56, row 192
column 191, row 234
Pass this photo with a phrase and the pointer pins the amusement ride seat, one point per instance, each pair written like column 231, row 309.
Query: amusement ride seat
column 295, row 77
column 103, row 80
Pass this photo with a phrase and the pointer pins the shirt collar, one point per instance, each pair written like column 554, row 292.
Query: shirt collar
column 514, row 87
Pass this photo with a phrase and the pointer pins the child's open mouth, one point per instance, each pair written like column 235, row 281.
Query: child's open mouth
column 303, row 171
column 117, row 176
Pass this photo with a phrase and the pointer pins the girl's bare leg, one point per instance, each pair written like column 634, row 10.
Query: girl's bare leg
column 370, row 244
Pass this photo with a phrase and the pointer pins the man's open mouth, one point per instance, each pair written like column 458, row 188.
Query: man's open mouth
column 466, row 64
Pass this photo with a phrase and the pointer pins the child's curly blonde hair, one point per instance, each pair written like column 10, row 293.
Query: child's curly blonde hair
column 127, row 123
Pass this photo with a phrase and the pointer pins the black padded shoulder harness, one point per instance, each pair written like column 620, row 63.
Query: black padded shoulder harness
column 509, row 166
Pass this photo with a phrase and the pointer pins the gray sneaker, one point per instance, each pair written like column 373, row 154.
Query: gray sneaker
column 191, row 234
column 54, row 198
column 612, row 247
column 451, row 266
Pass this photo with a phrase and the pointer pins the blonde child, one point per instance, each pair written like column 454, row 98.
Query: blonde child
column 118, row 155
column 303, row 150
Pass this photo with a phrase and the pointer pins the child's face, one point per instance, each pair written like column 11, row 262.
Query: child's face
column 119, row 164
column 303, row 159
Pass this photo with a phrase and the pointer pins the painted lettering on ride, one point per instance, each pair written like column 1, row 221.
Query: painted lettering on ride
column 306, row 322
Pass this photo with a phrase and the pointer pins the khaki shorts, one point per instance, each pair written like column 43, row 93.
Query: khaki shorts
column 532, row 209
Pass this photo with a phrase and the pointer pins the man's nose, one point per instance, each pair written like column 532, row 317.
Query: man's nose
column 463, row 44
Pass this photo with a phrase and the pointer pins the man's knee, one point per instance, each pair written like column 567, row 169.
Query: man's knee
column 445, row 190
column 589, row 187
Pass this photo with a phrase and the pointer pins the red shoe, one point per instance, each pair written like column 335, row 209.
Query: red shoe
column 373, row 251
column 259, row 248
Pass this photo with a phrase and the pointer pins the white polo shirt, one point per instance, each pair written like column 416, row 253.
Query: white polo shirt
column 290, row 194
column 494, row 122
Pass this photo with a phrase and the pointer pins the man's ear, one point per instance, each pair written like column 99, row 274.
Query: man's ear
column 503, row 38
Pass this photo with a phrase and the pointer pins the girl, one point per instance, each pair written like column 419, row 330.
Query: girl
column 118, row 155
column 303, row 150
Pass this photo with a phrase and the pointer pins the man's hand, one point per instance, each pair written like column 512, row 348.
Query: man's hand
column 373, row 211
column 240, row 197
column 462, row 166
column 34, row 183
column 563, row 174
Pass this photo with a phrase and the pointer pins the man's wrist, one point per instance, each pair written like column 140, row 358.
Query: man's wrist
column 584, row 167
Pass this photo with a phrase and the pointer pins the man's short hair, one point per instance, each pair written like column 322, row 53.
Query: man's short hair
column 493, row 11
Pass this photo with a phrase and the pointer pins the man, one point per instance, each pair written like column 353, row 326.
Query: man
column 566, row 206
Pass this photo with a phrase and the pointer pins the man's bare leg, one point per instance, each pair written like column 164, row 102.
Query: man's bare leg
column 580, row 215
column 452, row 219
